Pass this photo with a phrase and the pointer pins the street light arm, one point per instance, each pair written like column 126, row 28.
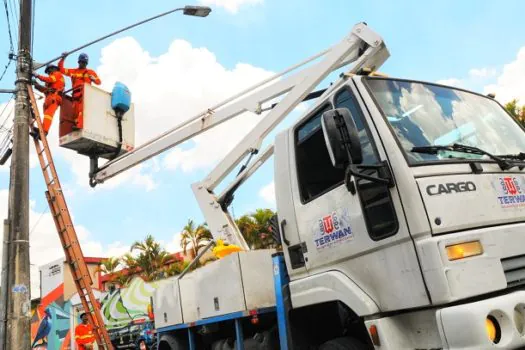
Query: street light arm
column 188, row 10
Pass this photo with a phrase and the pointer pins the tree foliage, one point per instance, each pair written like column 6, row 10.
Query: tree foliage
column 517, row 111
column 255, row 227
column 149, row 260
column 109, row 265
column 194, row 238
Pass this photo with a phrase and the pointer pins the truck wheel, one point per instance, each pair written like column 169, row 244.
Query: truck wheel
column 169, row 342
column 343, row 343
column 223, row 344
column 265, row 340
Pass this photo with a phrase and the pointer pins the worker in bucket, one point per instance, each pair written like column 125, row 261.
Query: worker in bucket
column 53, row 90
column 84, row 337
column 79, row 76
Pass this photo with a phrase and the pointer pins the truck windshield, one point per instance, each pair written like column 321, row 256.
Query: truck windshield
column 428, row 115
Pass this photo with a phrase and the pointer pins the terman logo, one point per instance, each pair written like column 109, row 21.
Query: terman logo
column 451, row 187
column 332, row 230
column 511, row 191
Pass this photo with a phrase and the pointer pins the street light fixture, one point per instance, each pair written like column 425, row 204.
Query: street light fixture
column 196, row 11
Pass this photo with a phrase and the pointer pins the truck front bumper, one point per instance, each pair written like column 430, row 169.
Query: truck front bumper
column 465, row 326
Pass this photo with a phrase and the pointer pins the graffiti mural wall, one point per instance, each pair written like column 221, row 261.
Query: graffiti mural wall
column 50, row 322
column 56, row 314
column 121, row 306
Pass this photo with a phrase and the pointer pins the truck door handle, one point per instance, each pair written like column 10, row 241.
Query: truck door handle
column 285, row 240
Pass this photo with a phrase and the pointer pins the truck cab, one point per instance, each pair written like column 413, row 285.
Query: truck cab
column 419, row 232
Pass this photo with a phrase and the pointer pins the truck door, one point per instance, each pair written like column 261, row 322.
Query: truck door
column 362, row 235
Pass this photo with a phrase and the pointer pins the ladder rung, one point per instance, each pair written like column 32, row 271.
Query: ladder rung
column 46, row 166
column 42, row 151
column 51, row 182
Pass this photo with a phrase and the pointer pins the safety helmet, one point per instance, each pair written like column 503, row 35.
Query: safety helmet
column 83, row 57
column 49, row 67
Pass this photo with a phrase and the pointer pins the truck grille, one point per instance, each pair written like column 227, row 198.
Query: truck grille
column 514, row 268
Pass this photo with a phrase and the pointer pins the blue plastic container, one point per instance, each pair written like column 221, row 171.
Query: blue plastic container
column 120, row 98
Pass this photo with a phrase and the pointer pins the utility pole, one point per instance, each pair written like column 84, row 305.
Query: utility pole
column 18, row 283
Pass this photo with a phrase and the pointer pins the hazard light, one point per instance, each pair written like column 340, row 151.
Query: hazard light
column 464, row 250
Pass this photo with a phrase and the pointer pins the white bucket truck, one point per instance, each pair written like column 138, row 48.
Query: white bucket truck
column 400, row 210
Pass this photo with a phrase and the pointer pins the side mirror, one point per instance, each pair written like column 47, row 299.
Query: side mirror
column 341, row 137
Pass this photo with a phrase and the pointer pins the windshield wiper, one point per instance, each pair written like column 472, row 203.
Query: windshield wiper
column 457, row 147
column 518, row 156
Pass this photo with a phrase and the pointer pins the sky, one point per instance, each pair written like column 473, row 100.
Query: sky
column 178, row 66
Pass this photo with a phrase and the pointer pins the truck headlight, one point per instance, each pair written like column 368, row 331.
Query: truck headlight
column 493, row 329
column 464, row 250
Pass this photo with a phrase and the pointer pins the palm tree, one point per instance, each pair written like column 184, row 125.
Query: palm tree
column 255, row 227
column 248, row 228
column 194, row 237
column 108, row 266
column 150, row 260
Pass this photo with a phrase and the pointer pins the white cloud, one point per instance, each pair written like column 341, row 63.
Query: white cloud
column 174, row 245
column 268, row 193
column 451, row 82
column 231, row 5
column 174, row 87
column 482, row 72
column 45, row 244
column 510, row 83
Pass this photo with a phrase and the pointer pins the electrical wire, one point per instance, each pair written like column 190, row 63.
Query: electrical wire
column 12, row 48
column 36, row 223
column 14, row 13
column 5, row 69
column 8, row 132
column 10, row 33
column 2, row 126
column 33, row 27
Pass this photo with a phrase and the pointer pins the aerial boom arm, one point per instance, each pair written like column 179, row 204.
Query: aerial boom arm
column 362, row 46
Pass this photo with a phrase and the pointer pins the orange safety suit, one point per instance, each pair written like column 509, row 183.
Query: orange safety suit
column 53, row 91
column 79, row 76
column 84, row 335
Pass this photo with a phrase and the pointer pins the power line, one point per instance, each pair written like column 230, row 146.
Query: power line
column 14, row 13
column 9, row 26
column 33, row 27
column 8, row 114
column 5, row 69
column 39, row 218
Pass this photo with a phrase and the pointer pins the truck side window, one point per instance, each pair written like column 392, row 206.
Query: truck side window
column 316, row 173
column 346, row 100
column 378, row 208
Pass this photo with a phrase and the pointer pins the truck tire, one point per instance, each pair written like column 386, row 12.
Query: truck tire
column 265, row 340
column 169, row 342
column 223, row 344
column 343, row 343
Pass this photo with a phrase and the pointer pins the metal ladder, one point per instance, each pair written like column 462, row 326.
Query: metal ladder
column 66, row 231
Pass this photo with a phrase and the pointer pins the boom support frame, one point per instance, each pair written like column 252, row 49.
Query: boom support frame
column 361, row 46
